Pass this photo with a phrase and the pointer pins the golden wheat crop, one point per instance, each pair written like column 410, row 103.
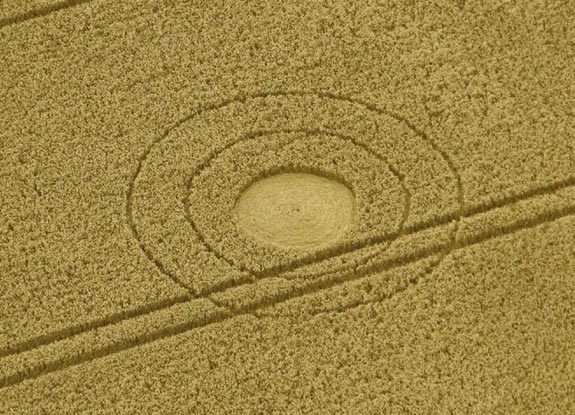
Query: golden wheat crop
column 287, row 207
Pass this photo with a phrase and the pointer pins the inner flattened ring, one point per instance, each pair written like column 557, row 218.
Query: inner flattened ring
column 316, row 256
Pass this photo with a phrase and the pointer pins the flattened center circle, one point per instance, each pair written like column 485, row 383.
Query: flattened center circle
column 295, row 210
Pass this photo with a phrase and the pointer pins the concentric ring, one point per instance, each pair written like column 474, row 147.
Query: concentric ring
column 374, row 185
column 157, row 198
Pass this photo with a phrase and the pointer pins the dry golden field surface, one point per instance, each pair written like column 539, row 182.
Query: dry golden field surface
column 331, row 207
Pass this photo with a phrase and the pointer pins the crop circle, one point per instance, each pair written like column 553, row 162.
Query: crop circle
column 182, row 202
column 295, row 210
column 214, row 189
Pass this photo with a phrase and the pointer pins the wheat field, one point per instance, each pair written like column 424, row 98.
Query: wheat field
column 267, row 207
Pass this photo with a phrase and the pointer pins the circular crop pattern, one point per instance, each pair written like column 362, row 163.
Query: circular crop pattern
column 274, row 182
column 298, row 210
column 365, row 173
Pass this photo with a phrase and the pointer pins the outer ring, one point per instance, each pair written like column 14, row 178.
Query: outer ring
column 242, row 99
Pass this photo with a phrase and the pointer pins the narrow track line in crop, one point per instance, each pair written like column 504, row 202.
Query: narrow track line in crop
column 354, row 275
column 55, row 336
column 166, row 332
column 40, row 12
column 118, row 317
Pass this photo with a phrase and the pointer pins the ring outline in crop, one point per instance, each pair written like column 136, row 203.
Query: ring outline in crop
column 321, row 255
column 365, row 106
